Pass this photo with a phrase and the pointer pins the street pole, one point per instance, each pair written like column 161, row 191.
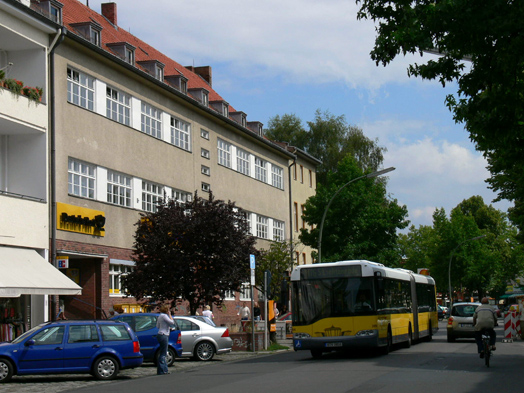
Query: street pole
column 369, row 175
column 449, row 267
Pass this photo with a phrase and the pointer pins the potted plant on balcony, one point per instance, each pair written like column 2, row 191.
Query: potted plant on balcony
column 14, row 85
column 33, row 93
column 2, row 76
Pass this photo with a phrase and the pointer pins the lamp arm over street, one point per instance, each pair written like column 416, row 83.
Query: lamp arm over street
column 449, row 267
column 369, row 175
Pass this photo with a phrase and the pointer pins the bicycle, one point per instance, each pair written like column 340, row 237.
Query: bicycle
column 486, row 346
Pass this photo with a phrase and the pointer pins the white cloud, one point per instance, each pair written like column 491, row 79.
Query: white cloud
column 302, row 40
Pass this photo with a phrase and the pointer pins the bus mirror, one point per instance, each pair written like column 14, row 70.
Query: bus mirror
column 380, row 281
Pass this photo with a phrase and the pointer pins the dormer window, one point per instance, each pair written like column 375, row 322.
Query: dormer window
column 153, row 67
column 239, row 117
column 256, row 127
column 200, row 94
column 179, row 82
column 221, row 107
column 52, row 9
column 91, row 31
column 123, row 50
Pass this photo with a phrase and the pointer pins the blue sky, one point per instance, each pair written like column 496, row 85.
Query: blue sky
column 274, row 57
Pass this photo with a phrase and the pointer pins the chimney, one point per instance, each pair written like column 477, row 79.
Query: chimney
column 109, row 11
column 204, row 72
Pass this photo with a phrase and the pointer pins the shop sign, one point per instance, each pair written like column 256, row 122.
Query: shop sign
column 80, row 219
column 62, row 262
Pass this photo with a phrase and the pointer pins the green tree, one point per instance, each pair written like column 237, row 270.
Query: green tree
column 194, row 251
column 362, row 221
column 329, row 138
column 277, row 260
column 490, row 99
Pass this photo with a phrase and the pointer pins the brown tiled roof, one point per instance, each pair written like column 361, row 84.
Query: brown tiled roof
column 75, row 12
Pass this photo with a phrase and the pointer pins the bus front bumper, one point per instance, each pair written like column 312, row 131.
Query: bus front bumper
column 370, row 339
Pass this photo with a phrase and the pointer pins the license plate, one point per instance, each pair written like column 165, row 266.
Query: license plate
column 331, row 345
column 466, row 325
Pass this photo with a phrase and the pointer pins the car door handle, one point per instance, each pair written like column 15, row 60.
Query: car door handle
column 96, row 346
column 58, row 348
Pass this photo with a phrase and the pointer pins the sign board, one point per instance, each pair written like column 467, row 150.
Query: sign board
column 62, row 262
column 252, row 261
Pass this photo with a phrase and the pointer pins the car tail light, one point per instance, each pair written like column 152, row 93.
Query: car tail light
column 450, row 321
column 179, row 339
column 226, row 333
column 136, row 346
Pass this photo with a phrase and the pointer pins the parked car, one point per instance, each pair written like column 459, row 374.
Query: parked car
column 460, row 322
column 203, row 319
column 201, row 340
column 144, row 325
column 100, row 348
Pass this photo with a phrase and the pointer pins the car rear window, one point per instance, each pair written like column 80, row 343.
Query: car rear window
column 114, row 333
column 466, row 310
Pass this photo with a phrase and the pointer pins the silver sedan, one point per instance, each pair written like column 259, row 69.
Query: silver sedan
column 201, row 340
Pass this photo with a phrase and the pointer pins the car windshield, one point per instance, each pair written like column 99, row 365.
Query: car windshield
column 465, row 310
column 26, row 334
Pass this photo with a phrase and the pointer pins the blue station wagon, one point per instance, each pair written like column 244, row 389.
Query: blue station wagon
column 144, row 325
column 100, row 348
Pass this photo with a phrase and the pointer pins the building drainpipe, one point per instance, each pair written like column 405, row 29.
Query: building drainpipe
column 59, row 38
column 291, row 219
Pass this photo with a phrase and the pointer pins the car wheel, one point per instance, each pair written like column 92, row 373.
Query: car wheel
column 451, row 339
column 316, row 353
column 6, row 370
column 170, row 357
column 105, row 368
column 204, row 351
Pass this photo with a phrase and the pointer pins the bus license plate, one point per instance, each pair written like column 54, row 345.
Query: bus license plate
column 331, row 345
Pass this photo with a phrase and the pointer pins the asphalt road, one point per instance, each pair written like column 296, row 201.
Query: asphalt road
column 432, row 367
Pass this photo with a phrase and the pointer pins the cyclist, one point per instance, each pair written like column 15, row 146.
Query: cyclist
column 485, row 319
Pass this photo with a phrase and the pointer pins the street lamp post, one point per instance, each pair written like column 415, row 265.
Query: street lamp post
column 449, row 268
column 369, row 175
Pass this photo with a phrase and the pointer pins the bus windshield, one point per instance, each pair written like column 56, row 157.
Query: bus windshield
column 332, row 297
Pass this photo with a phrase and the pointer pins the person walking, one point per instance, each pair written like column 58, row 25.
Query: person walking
column 163, row 324
column 208, row 313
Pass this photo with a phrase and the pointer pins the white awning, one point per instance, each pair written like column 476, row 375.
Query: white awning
column 25, row 272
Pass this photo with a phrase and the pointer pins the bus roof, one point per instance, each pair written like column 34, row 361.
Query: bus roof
column 368, row 270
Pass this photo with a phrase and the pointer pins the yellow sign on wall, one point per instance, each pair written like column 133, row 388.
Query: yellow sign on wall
column 80, row 219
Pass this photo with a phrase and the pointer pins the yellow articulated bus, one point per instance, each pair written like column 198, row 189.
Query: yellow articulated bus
column 348, row 304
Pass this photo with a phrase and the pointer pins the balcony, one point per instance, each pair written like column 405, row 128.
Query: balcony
column 20, row 115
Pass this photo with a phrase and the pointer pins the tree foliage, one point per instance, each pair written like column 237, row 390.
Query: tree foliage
column 194, row 251
column 329, row 138
column 362, row 221
column 490, row 99
column 477, row 266
column 276, row 260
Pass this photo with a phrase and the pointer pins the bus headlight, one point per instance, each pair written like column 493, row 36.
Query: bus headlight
column 300, row 335
column 366, row 333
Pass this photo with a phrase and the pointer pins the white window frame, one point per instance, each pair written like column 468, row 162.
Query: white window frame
column 204, row 134
column 277, row 177
column 151, row 120
column 81, row 179
column 206, row 187
column 80, row 89
column 229, row 295
column 278, row 230
column 224, row 153
column 118, row 106
column 151, row 194
column 180, row 133
column 245, row 292
column 181, row 196
column 262, row 227
column 260, row 170
column 205, row 170
column 116, row 271
column 243, row 162
column 119, row 188
column 204, row 153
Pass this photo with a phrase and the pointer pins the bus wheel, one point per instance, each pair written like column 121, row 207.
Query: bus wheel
column 316, row 353
column 407, row 344
column 389, row 342
column 429, row 337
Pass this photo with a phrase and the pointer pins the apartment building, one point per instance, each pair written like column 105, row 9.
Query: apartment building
column 129, row 125
column 27, row 278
